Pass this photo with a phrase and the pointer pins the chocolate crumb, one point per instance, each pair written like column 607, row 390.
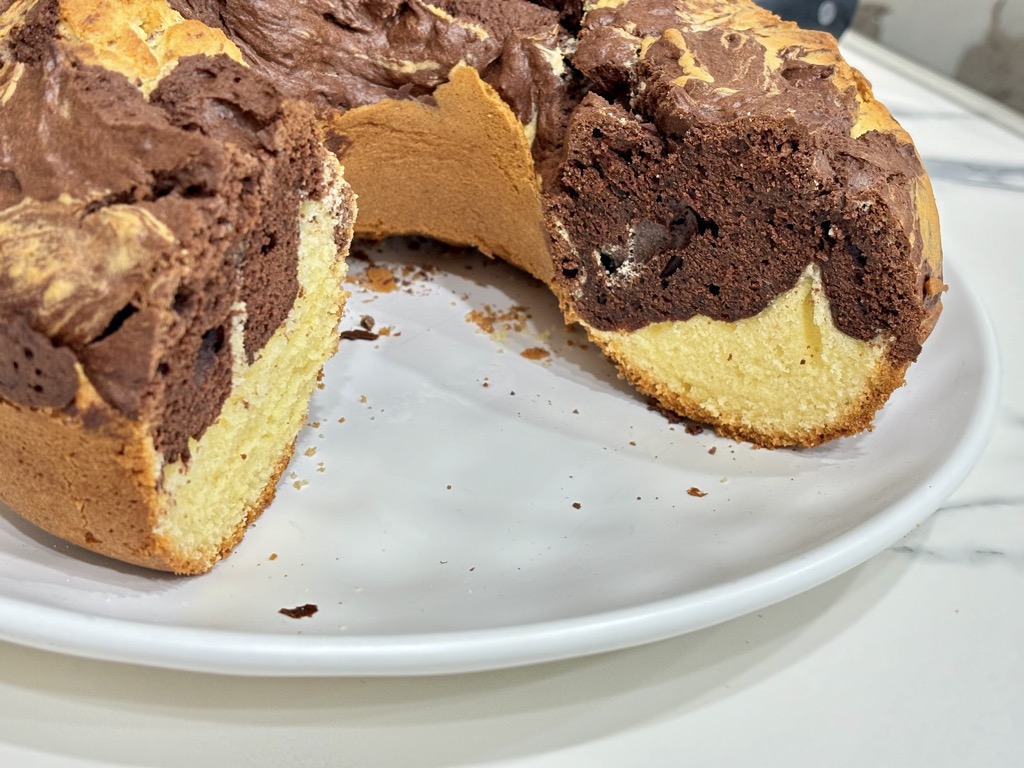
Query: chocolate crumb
column 694, row 429
column 576, row 505
column 359, row 334
column 713, row 450
column 300, row 611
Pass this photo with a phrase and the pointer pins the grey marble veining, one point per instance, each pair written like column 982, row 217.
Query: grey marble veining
column 1009, row 178
column 960, row 556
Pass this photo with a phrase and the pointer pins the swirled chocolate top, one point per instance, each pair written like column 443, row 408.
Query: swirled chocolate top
column 142, row 199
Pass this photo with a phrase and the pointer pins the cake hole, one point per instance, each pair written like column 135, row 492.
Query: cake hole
column 209, row 348
column 117, row 321
column 183, row 301
column 706, row 225
column 859, row 259
column 673, row 264
column 610, row 263
column 597, row 133
column 714, row 290
column 827, row 233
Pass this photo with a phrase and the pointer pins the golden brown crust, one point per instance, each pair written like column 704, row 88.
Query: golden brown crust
column 92, row 486
column 859, row 417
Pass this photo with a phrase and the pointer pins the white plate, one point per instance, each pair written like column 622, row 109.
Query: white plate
column 457, row 506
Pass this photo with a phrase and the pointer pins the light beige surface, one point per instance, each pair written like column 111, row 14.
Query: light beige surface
column 460, row 172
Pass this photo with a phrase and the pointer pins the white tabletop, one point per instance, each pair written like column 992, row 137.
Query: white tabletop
column 912, row 659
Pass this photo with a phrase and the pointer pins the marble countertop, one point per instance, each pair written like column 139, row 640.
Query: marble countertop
column 910, row 659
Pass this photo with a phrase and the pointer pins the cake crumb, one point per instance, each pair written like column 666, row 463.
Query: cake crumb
column 311, row 451
column 576, row 505
column 300, row 484
column 535, row 353
column 492, row 321
column 694, row 491
column 380, row 279
column 300, row 611
column 713, row 450
column 273, row 556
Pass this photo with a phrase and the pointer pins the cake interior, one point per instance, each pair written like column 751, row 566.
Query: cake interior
column 240, row 458
column 724, row 373
column 778, row 375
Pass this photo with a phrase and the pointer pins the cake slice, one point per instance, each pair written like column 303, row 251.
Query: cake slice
column 172, row 241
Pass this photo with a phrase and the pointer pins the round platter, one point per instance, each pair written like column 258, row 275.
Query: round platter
column 475, row 489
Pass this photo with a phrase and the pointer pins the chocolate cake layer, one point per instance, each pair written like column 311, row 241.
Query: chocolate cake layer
column 724, row 167
column 695, row 157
